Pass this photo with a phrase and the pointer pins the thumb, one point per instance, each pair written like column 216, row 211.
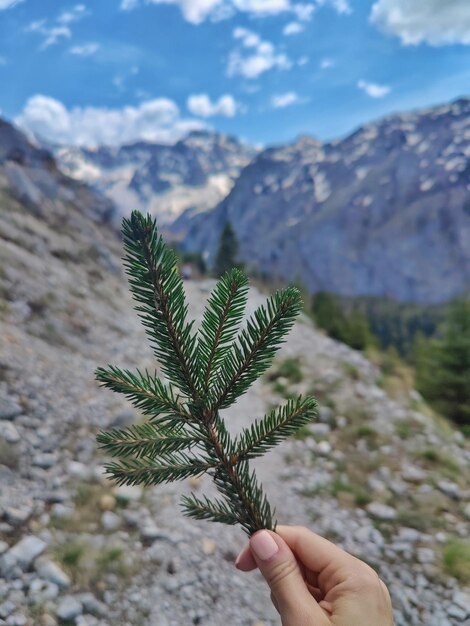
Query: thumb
column 281, row 570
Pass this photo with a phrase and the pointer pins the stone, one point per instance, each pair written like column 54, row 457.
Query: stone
column 69, row 608
column 17, row 517
column 42, row 590
column 466, row 511
column 208, row 546
column 110, row 521
column 425, row 555
column 451, row 490
column 9, row 409
column 18, row 619
column 150, row 532
column 107, row 502
column 9, row 432
column 79, row 470
column 50, row 571
column 24, row 552
column 324, row 448
column 3, row 547
column 381, row 511
column 45, row 460
column 92, row 605
column 6, row 609
column 413, row 474
column 462, row 599
column 128, row 493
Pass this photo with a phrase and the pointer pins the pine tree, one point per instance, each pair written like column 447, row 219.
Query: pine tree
column 443, row 366
column 206, row 372
column 226, row 256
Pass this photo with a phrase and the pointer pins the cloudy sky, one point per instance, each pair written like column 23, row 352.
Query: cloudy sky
column 113, row 71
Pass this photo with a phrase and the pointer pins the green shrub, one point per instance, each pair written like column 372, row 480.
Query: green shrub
column 456, row 560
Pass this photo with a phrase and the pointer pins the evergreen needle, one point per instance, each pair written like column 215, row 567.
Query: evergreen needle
column 206, row 371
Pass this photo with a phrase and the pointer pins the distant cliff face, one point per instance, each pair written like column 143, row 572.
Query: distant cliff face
column 29, row 174
column 196, row 173
column 385, row 211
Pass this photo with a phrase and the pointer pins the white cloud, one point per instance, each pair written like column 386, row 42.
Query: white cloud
column 283, row 100
column 293, row 28
column 373, row 89
column 303, row 61
column 202, row 106
column 85, row 50
column 51, row 34
column 262, row 56
column 129, row 5
column 59, row 29
column 342, row 7
column 153, row 120
column 194, row 11
column 8, row 4
column 197, row 11
column 262, row 7
column 326, row 64
column 73, row 15
column 436, row 22
column 3, row 61
column 303, row 12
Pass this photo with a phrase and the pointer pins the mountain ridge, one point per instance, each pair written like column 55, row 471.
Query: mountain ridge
column 384, row 211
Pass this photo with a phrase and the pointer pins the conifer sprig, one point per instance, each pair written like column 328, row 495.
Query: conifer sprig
column 186, row 435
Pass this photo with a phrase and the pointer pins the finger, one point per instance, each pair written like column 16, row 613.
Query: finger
column 315, row 552
column 279, row 567
column 245, row 561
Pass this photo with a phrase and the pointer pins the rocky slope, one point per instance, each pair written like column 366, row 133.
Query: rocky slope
column 194, row 174
column 378, row 475
column 385, row 211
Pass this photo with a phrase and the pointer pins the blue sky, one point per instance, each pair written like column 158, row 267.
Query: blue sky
column 113, row 71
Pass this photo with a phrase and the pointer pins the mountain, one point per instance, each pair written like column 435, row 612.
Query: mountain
column 376, row 473
column 384, row 211
column 193, row 174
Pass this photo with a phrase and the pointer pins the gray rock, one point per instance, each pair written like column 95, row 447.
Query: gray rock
column 452, row 490
column 9, row 432
column 45, row 461
column 425, row 555
column 18, row 619
column 9, row 408
column 69, row 608
column 92, row 605
column 6, row 609
column 381, row 511
column 50, row 571
column 23, row 553
column 462, row 599
column 110, row 521
column 42, row 590
column 17, row 517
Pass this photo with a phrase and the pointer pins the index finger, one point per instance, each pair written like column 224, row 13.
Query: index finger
column 315, row 552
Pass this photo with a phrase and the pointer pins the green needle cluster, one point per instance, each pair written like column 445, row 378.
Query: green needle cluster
column 206, row 371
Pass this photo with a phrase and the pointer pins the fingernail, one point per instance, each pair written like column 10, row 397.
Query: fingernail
column 263, row 545
column 237, row 560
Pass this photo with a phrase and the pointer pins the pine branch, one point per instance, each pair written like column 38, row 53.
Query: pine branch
column 158, row 288
column 186, row 435
column 144, row 440
column 257, row 344
column 279, row 424
column 146, row 472
column 222, row 316
column 146, row 392
column 215, row 510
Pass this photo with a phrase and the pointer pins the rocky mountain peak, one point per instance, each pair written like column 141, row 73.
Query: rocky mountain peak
column 384, row 211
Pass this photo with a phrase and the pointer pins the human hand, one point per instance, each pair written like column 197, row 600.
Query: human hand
column 315, row 583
